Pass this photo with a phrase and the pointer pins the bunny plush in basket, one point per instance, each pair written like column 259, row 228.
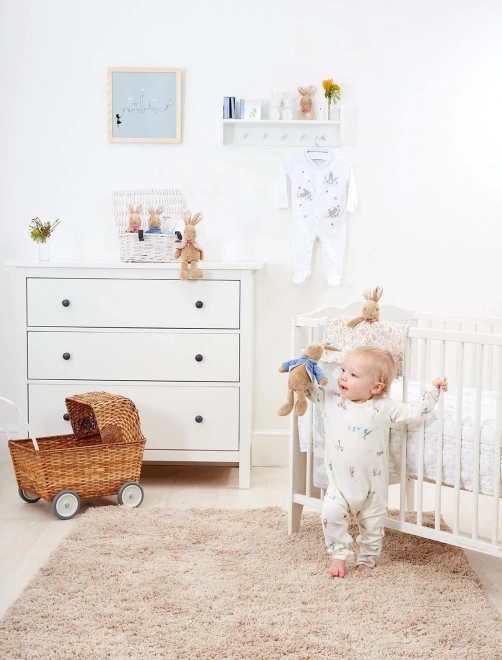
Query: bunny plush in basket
column 154, row 222
column 189, row 250
column 134, row 223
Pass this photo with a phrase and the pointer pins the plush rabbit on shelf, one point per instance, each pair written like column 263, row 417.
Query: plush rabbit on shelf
column 371, row 309
column 189, row 250
column 134, row 219
column 306, row 110
column 154, row 222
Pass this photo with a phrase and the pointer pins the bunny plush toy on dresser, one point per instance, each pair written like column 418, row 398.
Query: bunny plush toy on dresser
column 189, row 250
column 306, row 110
column 154, row 221
column 371, row 310
column 302, row 372
column 134, row 219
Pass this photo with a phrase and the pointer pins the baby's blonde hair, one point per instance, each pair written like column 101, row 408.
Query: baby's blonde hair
column 380, row 362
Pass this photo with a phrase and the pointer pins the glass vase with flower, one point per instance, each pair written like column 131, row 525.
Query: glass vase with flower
column 332, row 94
column 40, row 232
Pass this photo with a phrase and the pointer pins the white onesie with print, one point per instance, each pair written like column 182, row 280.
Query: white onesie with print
column 357, row 463
column 321, row 192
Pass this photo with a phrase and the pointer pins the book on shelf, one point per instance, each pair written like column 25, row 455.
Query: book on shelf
column 229, row 107
column 250, row 109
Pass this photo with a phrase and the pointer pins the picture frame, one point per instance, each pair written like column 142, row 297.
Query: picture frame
column 144, row 104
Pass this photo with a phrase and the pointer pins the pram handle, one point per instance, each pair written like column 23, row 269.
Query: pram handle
column 33, row 438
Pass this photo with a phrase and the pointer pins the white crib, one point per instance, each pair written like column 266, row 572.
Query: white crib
column 468, row 350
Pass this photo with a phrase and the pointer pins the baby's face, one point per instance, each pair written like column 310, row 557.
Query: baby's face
column 355, row 381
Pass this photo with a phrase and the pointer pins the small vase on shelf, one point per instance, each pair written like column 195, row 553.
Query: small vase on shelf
column 330, row 113
column 43, row 251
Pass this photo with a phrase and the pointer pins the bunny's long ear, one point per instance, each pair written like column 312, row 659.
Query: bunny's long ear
column 367, row 294
column 149, row 209
column 160, row 209
column 310, row 90
column 377, row 293
column 138, row 209
column 186, row 217
column 331, row 347
column 302, row 91
column 197, row 218
column 131, row 208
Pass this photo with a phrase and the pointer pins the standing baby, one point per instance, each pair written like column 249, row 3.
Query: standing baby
column 357, row 424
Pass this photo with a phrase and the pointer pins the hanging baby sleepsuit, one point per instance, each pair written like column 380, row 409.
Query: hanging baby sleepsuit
column 321, row 193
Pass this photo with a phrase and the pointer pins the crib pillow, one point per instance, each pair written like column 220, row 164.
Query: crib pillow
column 384, row 334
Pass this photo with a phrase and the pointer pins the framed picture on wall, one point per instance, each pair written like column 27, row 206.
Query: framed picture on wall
column 144, row 105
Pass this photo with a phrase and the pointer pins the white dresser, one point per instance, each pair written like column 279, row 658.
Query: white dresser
column 182, row 351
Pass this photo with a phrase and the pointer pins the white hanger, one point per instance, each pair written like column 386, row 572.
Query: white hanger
column 319, row 154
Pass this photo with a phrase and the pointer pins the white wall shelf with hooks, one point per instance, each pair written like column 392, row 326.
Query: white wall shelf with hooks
column 295, row 133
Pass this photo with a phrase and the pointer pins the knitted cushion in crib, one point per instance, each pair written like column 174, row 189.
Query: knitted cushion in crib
column 384, row 334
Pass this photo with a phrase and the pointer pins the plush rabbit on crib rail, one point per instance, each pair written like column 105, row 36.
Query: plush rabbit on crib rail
column 302, row 372
column 371, row 309
column 189, row 250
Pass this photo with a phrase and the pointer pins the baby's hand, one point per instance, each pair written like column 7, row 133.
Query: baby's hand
column 441, row 384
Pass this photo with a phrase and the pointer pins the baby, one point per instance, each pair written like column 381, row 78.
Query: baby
column 357, row 424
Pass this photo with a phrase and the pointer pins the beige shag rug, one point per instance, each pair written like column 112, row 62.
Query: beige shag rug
column 214, row 584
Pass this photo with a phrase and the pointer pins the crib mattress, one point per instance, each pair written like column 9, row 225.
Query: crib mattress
column 487, row 440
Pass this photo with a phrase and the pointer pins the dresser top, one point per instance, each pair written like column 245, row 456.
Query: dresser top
column 204, row 265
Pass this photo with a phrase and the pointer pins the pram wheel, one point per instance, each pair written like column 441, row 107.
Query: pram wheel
column 130, row 494
column 25, row 495
column 66, row 504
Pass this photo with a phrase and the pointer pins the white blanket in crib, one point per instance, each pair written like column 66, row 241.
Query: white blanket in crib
column 487, row 442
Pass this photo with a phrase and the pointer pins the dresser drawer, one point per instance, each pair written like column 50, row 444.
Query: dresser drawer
column 121, row 303
column 167, row 414
column 134, row 356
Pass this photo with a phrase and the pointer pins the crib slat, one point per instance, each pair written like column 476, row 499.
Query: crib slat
column 477, row 440
column 498, row 442
column 404, row 430
column 440, row 437
column 310, row 448
column 424, row 352
column 458, row 435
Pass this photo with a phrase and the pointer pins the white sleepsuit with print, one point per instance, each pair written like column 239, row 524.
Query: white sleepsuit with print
column 321, row 193
column 357, row 463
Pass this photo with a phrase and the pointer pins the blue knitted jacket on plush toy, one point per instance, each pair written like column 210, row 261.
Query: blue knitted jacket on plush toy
column 153, row 230
column 311, row 365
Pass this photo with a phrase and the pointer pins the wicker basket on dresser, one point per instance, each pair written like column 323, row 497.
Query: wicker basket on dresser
column 181, row 351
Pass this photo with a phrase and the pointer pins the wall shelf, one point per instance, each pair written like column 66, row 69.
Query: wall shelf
column 295, row 133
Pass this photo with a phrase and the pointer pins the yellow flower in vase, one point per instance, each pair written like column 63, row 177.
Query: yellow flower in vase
column 331, row 92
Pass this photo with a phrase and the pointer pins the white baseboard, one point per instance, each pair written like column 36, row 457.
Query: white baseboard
column 269, row 449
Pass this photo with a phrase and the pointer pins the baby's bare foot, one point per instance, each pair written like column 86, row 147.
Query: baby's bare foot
column 337, row 568
column 362, row 568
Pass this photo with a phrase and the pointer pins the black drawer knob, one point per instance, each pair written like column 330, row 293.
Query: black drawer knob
column 66, row 303
column 199, row 304
column 66, row 356
column 66, row 417
column 199, row 357
column 199, row 419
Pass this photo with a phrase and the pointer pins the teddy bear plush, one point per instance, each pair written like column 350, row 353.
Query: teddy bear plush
column 189, row 250
column 302, row 373
column 371, row 310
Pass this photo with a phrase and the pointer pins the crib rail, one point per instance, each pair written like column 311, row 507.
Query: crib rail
column 472, row 360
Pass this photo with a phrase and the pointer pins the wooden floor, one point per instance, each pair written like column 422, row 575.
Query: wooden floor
column 30, row 532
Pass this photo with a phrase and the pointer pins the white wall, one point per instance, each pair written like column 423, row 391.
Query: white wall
column 422, row 99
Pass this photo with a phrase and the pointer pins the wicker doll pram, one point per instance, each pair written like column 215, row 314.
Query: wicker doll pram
column 102, row 457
